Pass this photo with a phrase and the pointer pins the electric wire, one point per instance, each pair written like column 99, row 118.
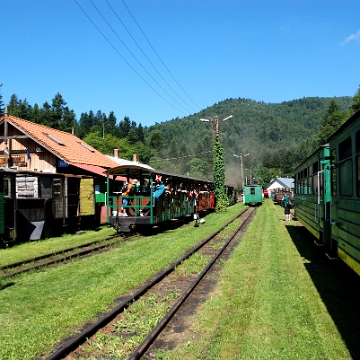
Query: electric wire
column 127, row 8
column 152, row 64
column 135, row 58
column 182, row 157
column 118, row 52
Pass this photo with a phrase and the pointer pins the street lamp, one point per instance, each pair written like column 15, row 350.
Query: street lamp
column 241, row 168
column 215, row 121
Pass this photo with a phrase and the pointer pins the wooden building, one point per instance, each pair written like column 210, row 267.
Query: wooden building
column 27, row 146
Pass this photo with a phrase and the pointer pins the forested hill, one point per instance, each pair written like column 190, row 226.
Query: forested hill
column 282, row 133
column 276, row 137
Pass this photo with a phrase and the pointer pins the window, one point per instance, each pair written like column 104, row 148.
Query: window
column 357, row 142
column 345, row 168
column 6, row 187
column 333, row 173
column 345, row 177
column 358, row 175
column 357, row 147
column 345, row 149
column 86, row 147
column 252, row 191
column 54, row 139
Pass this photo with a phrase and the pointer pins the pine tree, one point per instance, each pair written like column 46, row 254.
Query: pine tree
column 1, row 103
column 331, row 121
column 355, row 106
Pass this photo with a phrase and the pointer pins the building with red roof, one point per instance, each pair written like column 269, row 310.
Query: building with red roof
column 29, row 146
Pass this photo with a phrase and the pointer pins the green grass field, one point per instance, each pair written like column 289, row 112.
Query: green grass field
column 273, row 302
column 40, row 309
column 277, row 297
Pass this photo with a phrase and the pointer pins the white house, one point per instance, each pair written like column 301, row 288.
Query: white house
column 281, row 184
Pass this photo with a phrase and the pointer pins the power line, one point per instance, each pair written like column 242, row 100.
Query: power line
column 159, row 56
column 118, row 52
column 135, row 58
column 138, row 46
column 182, row 157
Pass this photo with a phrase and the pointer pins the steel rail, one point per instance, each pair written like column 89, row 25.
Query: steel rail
column 105, row 319
column 61, row 259
column 48, row 255
column 141, row 349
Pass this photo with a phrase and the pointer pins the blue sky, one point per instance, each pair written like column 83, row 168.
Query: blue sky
column 205, row 51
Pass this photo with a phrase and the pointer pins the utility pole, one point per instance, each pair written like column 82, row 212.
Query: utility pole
column 219, row 166
column 241, row 169
column 215, row 122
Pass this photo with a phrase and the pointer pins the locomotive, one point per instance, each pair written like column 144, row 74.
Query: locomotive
column 156, row 197
column 327, row 193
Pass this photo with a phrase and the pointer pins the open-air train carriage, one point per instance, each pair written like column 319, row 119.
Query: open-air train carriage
column 147, row 205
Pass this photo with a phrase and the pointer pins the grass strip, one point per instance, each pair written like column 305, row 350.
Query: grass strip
column 266, row 305
column 41, row 309
column 32, row 249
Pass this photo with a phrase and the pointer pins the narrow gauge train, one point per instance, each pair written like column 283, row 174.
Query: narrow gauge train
column 36, row 205
column 182, row 196
column 253, row 194
column 231, row 194
column 327, row 193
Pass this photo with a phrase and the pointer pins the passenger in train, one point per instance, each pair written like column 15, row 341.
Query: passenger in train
column 157, row 192
column 126, row 192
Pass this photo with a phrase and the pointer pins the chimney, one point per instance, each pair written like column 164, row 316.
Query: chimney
column 135, row 158
column 116, row 153
column 6, row 111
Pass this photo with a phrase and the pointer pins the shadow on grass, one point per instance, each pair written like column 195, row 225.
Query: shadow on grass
column 337, row 284
column 2, row 287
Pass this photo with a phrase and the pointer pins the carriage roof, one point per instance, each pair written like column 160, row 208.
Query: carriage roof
column 134, row 171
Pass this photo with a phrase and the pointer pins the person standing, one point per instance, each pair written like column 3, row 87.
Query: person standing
column 127, row 191
column 286, row 207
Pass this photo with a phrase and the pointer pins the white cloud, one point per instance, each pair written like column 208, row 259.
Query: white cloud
column 351, row 37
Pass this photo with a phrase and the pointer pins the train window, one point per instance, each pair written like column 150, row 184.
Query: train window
column 333, row 173
column 302, row 187
column 315, row 183
column 345, row 178
column 345, row 149
column 357, row 140
column 252, row 191
column 305, row 186
column 358, row 175
column 6, row 187
column 315, row 167
column 310, row 184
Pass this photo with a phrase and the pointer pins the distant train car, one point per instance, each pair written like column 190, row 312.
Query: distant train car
column 231, row 194
column 36, row 205
column 253, row 194
column 327, row 193
column 153, row 197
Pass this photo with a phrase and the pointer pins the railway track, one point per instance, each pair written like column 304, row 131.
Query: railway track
column 118, row 333
column 60, row 256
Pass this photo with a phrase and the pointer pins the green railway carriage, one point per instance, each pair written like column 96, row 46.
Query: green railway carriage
column 181, row 197
column 327, row 193
column 253, row 194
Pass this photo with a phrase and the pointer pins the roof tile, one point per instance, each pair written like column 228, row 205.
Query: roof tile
column 66, row 146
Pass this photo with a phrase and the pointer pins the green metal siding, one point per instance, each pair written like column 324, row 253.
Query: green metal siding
column 2, row 225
